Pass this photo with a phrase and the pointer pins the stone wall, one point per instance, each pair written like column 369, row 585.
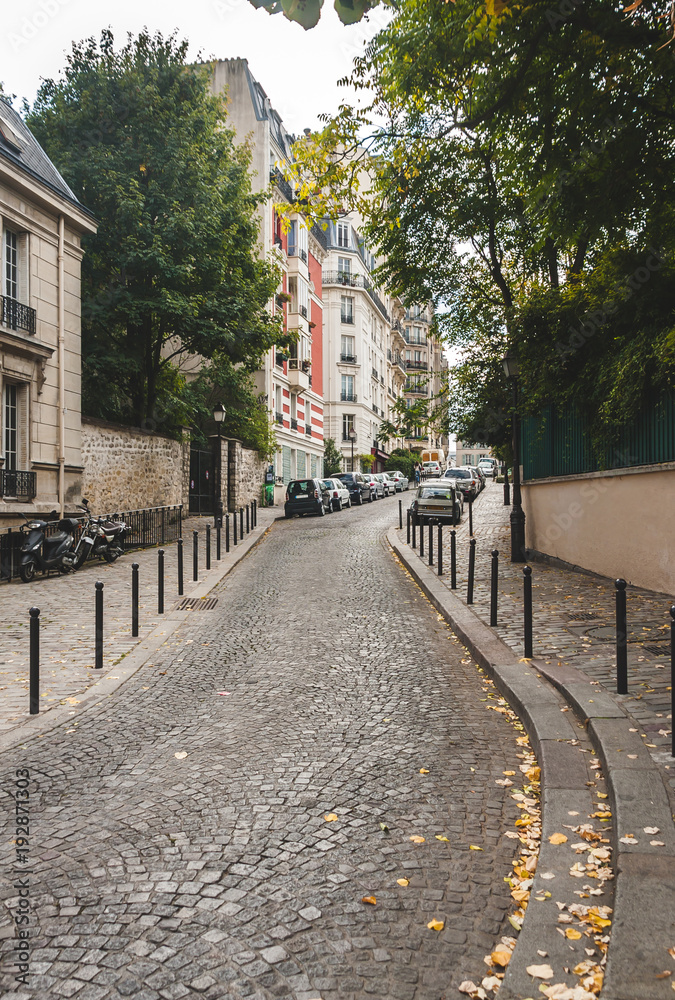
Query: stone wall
column 129, row 469
column 246, row 474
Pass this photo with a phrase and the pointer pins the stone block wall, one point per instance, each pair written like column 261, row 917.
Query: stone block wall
column 246, row 474
column 126, row 468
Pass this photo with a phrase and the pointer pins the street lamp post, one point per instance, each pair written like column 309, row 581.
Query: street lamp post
column 219, row 416
column 512, row 370
column 352, row 438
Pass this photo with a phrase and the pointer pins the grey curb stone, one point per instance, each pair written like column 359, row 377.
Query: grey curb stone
column 643, row 925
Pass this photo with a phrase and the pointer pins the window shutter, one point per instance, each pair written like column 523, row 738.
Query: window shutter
column 286, row 457
column 301, row 465
column 23, row 248
column 22, row 427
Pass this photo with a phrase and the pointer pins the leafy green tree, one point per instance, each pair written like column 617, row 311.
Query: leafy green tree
column 366, row 461
column 332, row 458
column 173, row 270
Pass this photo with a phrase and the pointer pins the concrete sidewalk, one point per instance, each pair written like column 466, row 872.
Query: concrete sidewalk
column 67, row 619
column 574, row 653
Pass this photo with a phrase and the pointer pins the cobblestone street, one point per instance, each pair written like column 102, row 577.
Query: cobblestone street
column 179, row 840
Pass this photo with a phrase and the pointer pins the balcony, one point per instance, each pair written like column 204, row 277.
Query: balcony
column 374, row 373
column 350, row 280
column 294, row 424
column 415, row 341
column 297, row 375
column 346, row 317
column 308, row 430
column 278, row 178
column 421, row 366
column 298, row 252
column 348, row 359
column 279, row 359
column 348, row 397
column 278, row 242
column 279, row 417
column 17, row 316
column 18, row 485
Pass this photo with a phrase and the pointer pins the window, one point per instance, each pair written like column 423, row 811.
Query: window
column 347, row 425
column 293, row 292
column 11, row 265
column 467, row 460
column 347, row 349
column 278, row 405
column 343, row 234
column 346, row 309
column 293, row 238
column 347, row 393
column 15, row 421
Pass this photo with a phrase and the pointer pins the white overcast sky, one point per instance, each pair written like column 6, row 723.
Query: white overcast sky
column 298, row 69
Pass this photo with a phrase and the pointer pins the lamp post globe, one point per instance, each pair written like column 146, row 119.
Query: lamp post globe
column 352, row 438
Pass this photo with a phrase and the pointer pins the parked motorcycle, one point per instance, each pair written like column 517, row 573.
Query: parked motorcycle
column 99, row 536
column 43, row 552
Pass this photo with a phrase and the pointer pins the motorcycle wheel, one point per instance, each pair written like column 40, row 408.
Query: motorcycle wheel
column 27, row 571
column 110, row 555
column 65, row 569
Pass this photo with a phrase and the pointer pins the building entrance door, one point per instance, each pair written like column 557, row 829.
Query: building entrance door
column 202, row 481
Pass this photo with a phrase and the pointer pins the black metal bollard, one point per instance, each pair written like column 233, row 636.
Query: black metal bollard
column 254, row 511
column 234, row 527
column 227, row 532
column 34, row 693
column 241, row 523
column 219, row 532
column 440, row 549
column 621, row 638
column 134, row 599
column 98, row 629
column 507, row 493
column 431, row 544
column 400, row 513
column 472, row 570
column 470, row 517
column 527, row 610
column 208, row 546
column 414, row 530
column 672, row 675
column 248, row 527
column 160, row 582
column 407, row 533
column 180, row 567
column 421, row 540
column 195, row 556
column 453, row 560
column 494, row 576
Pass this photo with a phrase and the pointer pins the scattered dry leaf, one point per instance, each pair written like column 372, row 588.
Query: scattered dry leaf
column 403, row 881
column 436, row 925
column 439, row 836
column 573, row 934
column 651, row 829
column 500, row 957
column 417, row 840
column 557, row 838
column 181, row 755
column 423, row 770
column 472, row 847
column 540, row 971
column 330, row 817
column 369, row 899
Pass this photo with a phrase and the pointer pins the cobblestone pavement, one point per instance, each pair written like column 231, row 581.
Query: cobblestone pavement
column 574, row 620
column 67, row 620
column 178, row 831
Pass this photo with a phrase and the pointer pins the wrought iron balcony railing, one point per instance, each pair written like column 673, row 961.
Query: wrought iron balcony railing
column 279, row 417
column 348, row 397
column 298, row 252
column 349, row 359
column 17, row 316
column 18, row 485
column 417, row 365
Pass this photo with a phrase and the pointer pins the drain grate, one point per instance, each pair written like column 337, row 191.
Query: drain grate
column 658, row 650
column 197, row 604
column 584, row 616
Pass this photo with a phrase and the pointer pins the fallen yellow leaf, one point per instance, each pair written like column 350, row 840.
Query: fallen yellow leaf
column 500, row 957
column 441, row 837
column 572, row 933
column 472, row 847
column 417, row 840
column 423, row 770
column 330, row 817
column 557, row 838
column 436, row 925
column 369, row 899
column 403, row 881
column 509, row 774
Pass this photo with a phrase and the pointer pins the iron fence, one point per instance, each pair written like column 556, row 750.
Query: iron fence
column 145, row 528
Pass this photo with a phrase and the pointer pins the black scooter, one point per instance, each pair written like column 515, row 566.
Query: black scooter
column 43, row 552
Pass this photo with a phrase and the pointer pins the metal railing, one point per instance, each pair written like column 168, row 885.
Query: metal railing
column 145, row 527
column 18, row 485
column 349, row 359
column 417, row 365
column 279, row 359
column 348, row 397
column 17, row 316
column 298, row 252
column 279, row 417
column 308, row 430
column 415, row 341
column 374, row 373
column 355, row 281
column 294, row 424
column 282, row 183
column 346, row 317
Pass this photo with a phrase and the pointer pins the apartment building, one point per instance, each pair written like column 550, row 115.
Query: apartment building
column 41, row 228
column 471, row 454
column 427, row 373
column 292, row 381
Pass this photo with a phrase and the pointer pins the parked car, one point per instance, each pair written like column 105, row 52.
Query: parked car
column 465, row 480
column 402, row 482
column 358, row 487
column 437, row 500
column 489, row 467
column 481, row 476
column 388, row 482
column 431, row 469
column 375, row 486
column 339, row 494
column 307, row 496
